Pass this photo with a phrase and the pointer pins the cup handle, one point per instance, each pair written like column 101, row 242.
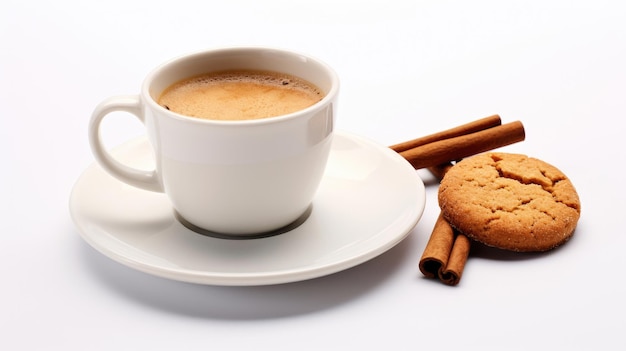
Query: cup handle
column 147, row 180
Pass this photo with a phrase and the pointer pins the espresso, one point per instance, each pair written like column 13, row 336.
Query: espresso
column 240, row 95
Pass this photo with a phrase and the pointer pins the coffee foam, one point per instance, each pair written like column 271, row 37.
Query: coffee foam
column 240, row 95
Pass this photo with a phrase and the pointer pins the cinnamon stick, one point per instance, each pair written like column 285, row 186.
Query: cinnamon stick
column 456, row 148
column 471, row 127
column 445, row 254
column 451, row 274
column 438, row 248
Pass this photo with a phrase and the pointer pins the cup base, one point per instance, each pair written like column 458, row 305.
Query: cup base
column 289, row 227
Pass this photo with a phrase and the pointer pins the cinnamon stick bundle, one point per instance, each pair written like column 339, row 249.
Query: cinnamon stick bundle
column 471, row 127
column 456, row 148
column 445, row 254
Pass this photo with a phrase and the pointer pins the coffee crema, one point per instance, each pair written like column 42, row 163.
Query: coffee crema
column 240, row 95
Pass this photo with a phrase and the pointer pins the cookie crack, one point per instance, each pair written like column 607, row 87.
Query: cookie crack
column 549, row 188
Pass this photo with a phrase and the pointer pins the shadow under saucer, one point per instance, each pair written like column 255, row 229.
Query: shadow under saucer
column 243, row 302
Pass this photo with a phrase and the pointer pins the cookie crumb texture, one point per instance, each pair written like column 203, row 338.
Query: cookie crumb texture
column 510, row 201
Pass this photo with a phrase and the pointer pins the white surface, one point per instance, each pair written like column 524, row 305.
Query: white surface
column 408, row 68
column 369, row 200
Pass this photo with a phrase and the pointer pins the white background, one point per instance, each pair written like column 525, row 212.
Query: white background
column 408, row 68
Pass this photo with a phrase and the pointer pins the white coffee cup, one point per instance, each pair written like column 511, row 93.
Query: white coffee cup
column 238, row 179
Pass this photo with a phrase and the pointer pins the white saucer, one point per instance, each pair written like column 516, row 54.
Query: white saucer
column 369, row 200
